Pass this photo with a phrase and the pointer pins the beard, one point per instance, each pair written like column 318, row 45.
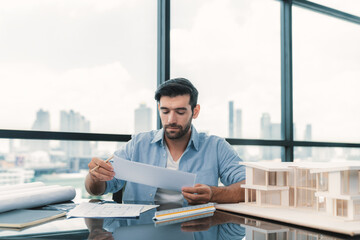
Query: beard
column 177, row 135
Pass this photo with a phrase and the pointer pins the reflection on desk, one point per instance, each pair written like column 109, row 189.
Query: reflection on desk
column 222, row 225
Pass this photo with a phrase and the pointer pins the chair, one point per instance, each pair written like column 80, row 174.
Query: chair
column 117, row 196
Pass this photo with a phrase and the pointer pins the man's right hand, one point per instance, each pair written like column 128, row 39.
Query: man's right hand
column 104, row 172
column 95, row 182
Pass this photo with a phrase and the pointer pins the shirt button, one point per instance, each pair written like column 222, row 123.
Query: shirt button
column 151, row 194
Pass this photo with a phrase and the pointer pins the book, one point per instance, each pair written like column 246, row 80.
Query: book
column 185, row 212
column 21, row 218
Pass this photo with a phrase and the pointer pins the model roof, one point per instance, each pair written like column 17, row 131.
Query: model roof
column 314, row 167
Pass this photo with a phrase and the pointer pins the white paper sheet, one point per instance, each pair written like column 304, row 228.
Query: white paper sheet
column 152, row 175
column 108, row 210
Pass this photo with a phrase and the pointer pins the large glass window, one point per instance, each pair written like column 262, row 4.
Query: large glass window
column 230, row 50
column 326, row 154
column 326, row 59
column 80, row 66
column 65, row 164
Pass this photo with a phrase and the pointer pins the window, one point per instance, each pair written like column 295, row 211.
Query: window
column 277, row 178
column 272, row 179
column 260, row 178
column 323, row 181
column 341, row 207
column 271, row 197
column 78, row 66
column 321, row 204
column 326, row 56
column 65, row 164
column 74, row 66
column 221, row 46
column 91, row 67
column 326, row 154
column 251, row 195
column 357, row 208
column 345, row 182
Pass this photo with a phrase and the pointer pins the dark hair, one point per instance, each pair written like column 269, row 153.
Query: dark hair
column 178, row 87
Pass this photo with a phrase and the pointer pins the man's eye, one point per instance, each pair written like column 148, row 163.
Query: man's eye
column 165, row 112
column 181, row 113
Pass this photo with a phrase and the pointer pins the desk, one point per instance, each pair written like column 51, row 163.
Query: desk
column 222, row 225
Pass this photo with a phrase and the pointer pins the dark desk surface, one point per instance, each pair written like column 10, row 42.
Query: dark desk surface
column 221, row 225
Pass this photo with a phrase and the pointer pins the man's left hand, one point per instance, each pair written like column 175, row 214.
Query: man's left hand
column 199, row 194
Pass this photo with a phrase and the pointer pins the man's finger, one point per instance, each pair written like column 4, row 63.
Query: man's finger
column 198, row 190
column 194, row 197
column 189, row 189
column 101, row 163
column 101, row 177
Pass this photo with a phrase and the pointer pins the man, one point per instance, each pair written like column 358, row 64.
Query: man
column 176, row 146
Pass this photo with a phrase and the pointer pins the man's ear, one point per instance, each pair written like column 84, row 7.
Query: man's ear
column 196, row 111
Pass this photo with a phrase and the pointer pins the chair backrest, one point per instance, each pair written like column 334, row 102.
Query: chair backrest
column 117, row 196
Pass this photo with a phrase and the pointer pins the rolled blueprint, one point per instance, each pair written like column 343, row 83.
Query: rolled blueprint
column 21, row 186
column 34, row 196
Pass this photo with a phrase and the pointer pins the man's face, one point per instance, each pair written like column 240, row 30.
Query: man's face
column 176, row 115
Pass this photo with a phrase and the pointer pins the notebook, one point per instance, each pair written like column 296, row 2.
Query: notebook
column 21, row 218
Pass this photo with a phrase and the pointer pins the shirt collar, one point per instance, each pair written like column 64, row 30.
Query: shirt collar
column 194, row 139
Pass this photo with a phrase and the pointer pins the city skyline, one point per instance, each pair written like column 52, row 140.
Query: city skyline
column 78, row 153
column 72, row 121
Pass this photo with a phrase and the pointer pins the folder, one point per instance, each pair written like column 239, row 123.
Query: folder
column 21, row 218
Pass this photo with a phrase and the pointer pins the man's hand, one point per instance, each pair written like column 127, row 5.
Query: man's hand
column 199, row 194
column 96, row 230
column 202, row 193
column 104, row 172
column 95, row 182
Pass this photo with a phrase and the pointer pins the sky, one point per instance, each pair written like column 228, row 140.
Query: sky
column 99, row 58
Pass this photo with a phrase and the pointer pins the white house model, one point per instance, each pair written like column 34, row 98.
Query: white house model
column 332, row 188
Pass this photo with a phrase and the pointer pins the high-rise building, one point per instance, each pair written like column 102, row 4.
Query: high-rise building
column 231, row 119
column 143, row 118
column 265, row 126
column 307, row 137
column 238, row 125
column 74, row 122
column 270, row 131
column 41, row 123
column 238, row 132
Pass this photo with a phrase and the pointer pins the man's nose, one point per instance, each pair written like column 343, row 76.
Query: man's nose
column 172, row 117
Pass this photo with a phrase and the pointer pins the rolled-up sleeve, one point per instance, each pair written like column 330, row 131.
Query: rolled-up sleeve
column 125, row 152
column 230, row 169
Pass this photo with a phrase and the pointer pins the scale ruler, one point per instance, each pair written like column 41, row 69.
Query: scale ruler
column 184, row 212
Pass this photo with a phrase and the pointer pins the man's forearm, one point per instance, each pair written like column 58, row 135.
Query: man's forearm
column 229, row 194
column 94, row 188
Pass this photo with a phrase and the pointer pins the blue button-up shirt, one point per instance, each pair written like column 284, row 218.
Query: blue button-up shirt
column 210, row 157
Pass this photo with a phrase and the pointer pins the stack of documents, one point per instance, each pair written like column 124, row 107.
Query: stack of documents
column 184, row 213
column 108, row 210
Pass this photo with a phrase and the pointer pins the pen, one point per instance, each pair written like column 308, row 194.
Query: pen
column 106, row 161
